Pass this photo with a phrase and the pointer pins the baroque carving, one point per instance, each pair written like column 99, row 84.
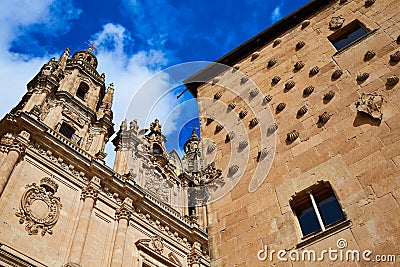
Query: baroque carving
column 370, row 104
column 336, row 23
column 293, row 135
column 39, row 208
column 157, row 244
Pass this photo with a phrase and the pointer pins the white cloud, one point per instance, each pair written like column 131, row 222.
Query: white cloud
column 276, row 14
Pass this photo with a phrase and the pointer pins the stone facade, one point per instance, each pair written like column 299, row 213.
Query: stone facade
column 60, row 205
column 336, row 128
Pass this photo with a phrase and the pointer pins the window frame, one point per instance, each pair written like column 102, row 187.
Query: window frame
column 64, row 124
column 308, row 196
column 333, row 38
column 83, row 87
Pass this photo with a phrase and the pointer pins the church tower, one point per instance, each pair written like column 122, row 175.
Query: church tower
column 61, row 205
column 70, row 97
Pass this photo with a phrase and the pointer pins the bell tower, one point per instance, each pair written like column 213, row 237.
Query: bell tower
column 70, row 97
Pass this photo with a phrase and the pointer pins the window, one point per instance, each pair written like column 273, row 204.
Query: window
column 348, row 34
column 82, row 90
column 67, row 130
column 317, row 209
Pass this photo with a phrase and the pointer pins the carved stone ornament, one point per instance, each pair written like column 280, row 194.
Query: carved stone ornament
column 232, row 105
column 299, row 65
column 277, row 41
column 324, row 117
column 233, row 169
column 370, row 104
column 123, row 213
column 300, row 44
column 215, row 80
column 211, row 147
column 263, row 153
column 254, row 122
column 369, row 3
column 272, row 62
column 395, row 57
column 39, row 208
column 255, row 55
column 244, row 79
column 303, row 110
column 314, row 70
column 293, row 135
column 276, row 79
column 369, row 55
column 336, row 74
column 329, row 95
column 211, row 173
column 308, row 90
column 290, row 84
column 210, row 119
column 362, row 76
column 392, row 80
column 272, row 128
column 217, row 95
column 219, row 127
column 254, row 92
column 236, row 66
column 243, row 144
column 336, row 23
column 305, row 23
column 230, row 136
column 157, row 244
column 243, row 113
column 267, row 99
column 281, row 106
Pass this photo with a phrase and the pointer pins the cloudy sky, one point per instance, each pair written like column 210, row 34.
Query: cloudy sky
column 135, row 40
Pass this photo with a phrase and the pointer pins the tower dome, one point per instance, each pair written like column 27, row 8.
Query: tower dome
column 86, row 56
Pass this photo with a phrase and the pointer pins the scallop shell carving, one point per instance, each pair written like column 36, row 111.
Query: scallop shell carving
column 299, row 65
column 219, row 127
column 276, row 79
column 243, row 144
column 293, row 135
column 254, row 122
column 267, row 99
column 233, row 169
column 211, row 147
column 369, row 3
column 324, row 117
column 392, row 80
column 272, row 62
column 230, row 136
column 210, row 119
column 398, row 39
column 243, row 113
column 263, row 153
column 255, row 55
column 217, row 95
column 305, row 23
column 281, row 106
column 290, row 84
column 300, row 44
column 236, row 66
column 303, row 110
column 308, row 90
column 277, row 41
column 369, row 55
column 272, row 128
column 244, row 79
column 395, row 57
column 232, row 105
column 314, row 70
column 336, row 74
column 329, row 95
column 362, row 76
column 215, row 80
column 254, row 92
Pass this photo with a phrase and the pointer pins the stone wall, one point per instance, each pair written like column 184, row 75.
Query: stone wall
column 357, row 154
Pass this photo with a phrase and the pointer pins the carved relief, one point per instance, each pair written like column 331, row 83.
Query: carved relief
column 395, row 57
column 371, row 104
column 276, row 79
column 336, row 23
column 267, row 99
column 157, row 244
column 369, row 55
column 392, row 80
column 39, row 208
column 277, row 41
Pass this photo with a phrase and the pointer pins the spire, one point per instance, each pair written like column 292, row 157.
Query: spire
column 62, row 62
column 108, row 98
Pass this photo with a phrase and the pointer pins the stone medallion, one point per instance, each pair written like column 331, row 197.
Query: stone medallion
column 39, row 208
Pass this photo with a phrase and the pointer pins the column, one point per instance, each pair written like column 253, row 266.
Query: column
column 8, row 164
column 185, row 198
column 123, row 215
column 89, row 196
column 195, row 255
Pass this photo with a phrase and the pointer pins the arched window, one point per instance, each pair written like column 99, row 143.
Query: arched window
column 82, row 90
column 157, row 149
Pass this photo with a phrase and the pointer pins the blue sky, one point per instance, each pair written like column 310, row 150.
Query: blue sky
column 135, row 39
